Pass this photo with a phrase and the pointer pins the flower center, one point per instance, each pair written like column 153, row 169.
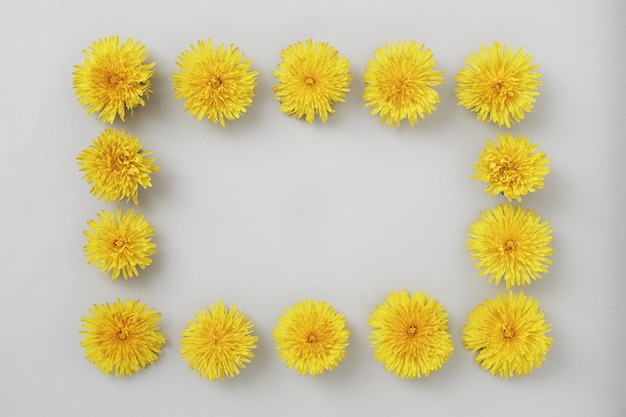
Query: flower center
column 399, row 89
column 501, row 91
column 411, row 331
column 505, row 169
column 508, row 164
column 310, row 81
column 122, row 331
column 122, row 162
column 509, row 246
column 115, row 79
column 215, row 82
column 399, row 86
column 508, row 333
column 119, row 243
column 311, row 338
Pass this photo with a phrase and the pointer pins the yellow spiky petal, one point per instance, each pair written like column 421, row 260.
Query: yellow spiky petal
column 216, row 84
column 218, row 342
column 498, row 84
column 410, row 334
column 510, row 243
column 399, row 83
column 311, row 77
column 121, row 337
column 511, row 167
column 311, row 337
column 508, row 334
column 119, row 243
column 116, row 166
column 113, row 78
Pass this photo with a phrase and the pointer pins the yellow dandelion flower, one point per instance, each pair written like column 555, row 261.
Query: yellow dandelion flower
column 510, row 243
column 508, row 334
column 311, row 337
column 399, row 83
column 410, row 334
column 116, row 166
column 498, row 84
column 511, row 168
column 216, row 84
column 121, row 337
column 119, row 243
column 311, row 77
column 217, row 342
column 113, row 78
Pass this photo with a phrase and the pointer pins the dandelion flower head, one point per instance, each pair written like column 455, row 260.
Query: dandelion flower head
column 498, row 84
column 218, row 342
column 311, row 337
column 511, row 167
column 116, row 166
column 113, row 78
column 399, row 83
column 311, row 77
column 508, row 334
column 510, row 243
column 410, row 334
column 216, row 84
column 121, row 337
column 119, row 243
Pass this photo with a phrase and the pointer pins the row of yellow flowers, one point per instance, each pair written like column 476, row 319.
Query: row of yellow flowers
column 409, row 335
column 512, row 244
column 218, row 83
column 508, row 334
